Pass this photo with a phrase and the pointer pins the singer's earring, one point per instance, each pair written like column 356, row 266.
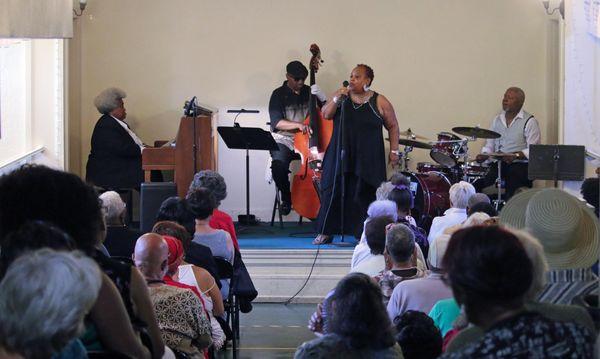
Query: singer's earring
column 366, row 88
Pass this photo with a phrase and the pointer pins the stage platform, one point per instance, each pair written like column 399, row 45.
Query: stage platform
column 280, row 260
column 291, row 236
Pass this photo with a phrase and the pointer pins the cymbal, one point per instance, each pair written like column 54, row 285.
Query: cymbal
column 415, row 144
column 411, row 135
column 476, row 132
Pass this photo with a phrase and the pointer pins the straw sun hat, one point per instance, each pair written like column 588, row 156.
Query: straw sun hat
column 567, row 229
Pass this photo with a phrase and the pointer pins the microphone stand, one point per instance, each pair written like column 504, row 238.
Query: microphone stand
column 342, row 161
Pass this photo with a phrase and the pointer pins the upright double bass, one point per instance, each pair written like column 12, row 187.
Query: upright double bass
column 311, row 147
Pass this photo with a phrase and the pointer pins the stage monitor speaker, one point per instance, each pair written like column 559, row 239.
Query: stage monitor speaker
column 556, row 162
column 152, row 196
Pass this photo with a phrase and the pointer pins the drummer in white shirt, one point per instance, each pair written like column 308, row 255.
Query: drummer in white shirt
column 518, row 130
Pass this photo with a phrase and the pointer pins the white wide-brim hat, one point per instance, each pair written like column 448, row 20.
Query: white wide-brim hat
column 564, row 225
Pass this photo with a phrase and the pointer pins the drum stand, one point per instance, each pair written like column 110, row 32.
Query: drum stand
column 499, row 201
column 403, row 160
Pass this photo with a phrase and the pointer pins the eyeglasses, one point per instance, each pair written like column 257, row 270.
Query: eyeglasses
column 297, row 79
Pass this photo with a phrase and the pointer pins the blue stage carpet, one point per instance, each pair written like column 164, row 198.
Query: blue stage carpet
column 291, row 236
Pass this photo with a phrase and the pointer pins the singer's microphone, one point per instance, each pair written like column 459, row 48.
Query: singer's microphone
column 344, row 97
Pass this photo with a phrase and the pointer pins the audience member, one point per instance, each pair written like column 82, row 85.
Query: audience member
column 200, row 281
column 120, row 239
column 568, row 231
column 35, row 192
column 202, row 203
column 195, row 254
column 490, row 274
column 175, row 209
column 376, row 209
column 422, row 293
column 403, row 197
column 483, row 207
column 183, row 323
column 399, row 264
column 459, row 196
column 535, row 253
column 358, row 327
column 215, row 183
column 476, row 198
column 399, row 179
column 418, row 336
column 590, row 190
column 44, row 297
column 375, row 234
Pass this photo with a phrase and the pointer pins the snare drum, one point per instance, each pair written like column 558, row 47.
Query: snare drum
column 447, row 151
column 475, row 170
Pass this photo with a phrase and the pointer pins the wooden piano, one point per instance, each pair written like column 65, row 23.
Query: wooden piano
column 181, row 157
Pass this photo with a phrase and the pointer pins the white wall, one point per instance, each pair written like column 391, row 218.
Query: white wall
column 441, row 63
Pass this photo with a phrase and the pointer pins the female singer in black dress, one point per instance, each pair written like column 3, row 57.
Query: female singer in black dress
column 359, row 114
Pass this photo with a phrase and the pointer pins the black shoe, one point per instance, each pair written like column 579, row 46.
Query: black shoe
column 285, row 208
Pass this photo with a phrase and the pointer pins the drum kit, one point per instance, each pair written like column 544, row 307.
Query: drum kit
column 431, row 182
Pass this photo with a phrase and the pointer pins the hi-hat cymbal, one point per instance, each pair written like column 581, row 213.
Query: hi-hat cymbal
column 411, row 135
column 416, row 144
column 476, row 132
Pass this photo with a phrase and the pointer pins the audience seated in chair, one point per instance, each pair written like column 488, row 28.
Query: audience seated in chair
column 559, row 312
column 44, row 297
column 422, row 293
column 35, row 192
column 177, row 210
column 376, row 209
column 358, row 327
column 459, row 196
column 184, row 325
column 399, row 253
column 189, row 276
column 215, row 183
column 202, row 203
column 568, row 230
column 418, row 336
column 375, row 230
column 490, row 274
column 120, row 239
column 403, row 197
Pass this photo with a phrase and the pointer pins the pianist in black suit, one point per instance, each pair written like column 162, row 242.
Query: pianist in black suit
column 115, row 159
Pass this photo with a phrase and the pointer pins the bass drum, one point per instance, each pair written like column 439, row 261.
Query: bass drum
column 431, row 193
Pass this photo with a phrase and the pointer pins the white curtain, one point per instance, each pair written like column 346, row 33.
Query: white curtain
column 36, row 18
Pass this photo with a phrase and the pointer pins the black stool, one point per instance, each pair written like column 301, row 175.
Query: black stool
column 277, row 208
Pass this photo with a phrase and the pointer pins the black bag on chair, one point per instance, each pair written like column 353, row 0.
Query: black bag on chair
column 243, row 286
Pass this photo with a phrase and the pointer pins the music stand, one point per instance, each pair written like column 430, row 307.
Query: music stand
column 556, row 162
column 247, row 138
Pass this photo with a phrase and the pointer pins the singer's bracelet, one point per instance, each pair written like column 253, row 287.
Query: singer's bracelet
column 335, row 99
column 396, row 152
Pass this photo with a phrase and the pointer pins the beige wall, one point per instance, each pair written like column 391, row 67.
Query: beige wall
column 441, row 63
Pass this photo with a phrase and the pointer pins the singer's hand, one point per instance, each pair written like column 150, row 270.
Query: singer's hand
column 394, row 159
column 316, row 90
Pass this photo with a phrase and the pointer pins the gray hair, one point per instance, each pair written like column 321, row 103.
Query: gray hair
column 212, row 181
column 400, row 243
column 476, row 219
column 383, row 191
column 460, row 193
column 44, row 297
column 519, row 92
column 113, row 206
column 478, row 198
column 383, row 208
column 108, row 99
column 535, row 252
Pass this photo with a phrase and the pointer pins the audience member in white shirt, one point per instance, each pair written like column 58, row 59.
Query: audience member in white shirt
column 459, row 196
